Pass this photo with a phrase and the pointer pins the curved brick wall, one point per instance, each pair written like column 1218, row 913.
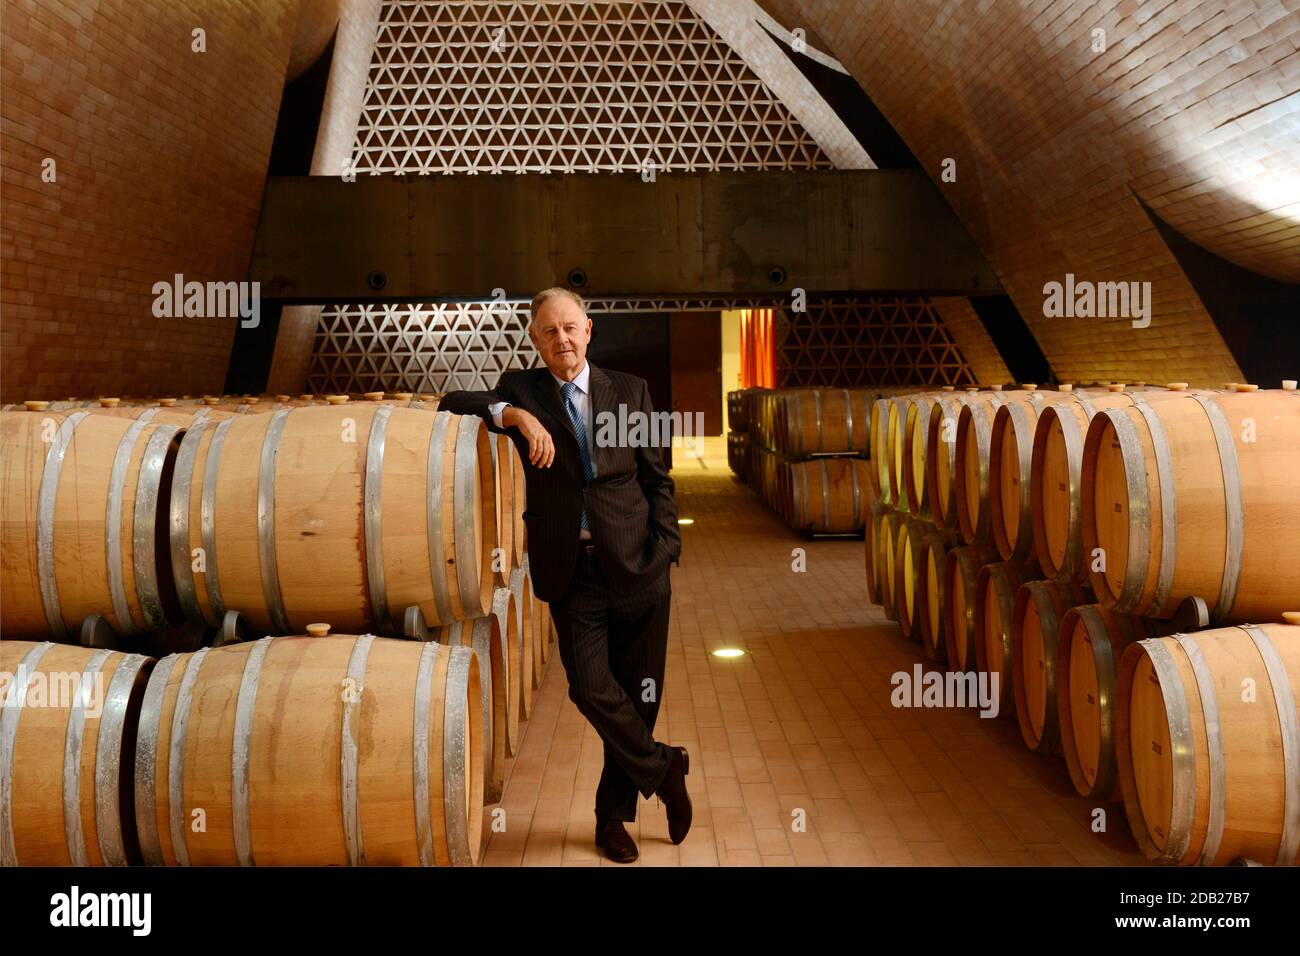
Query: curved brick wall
column 1192, row 107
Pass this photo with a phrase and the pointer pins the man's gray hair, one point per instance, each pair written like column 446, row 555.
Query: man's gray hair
column 556, row 291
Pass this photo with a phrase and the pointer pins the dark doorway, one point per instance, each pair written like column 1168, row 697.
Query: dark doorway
column 695, row 345
column 636, row 343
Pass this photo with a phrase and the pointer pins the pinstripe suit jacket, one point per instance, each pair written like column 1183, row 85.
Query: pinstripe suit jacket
column 631, row 511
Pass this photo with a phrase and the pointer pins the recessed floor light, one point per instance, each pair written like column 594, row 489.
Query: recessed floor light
column 686, row 521
column 728, row 652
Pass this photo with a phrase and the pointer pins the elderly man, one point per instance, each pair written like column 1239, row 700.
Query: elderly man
column 602, row 531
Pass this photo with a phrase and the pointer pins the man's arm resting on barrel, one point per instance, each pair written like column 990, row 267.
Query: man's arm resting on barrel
column 495, row 409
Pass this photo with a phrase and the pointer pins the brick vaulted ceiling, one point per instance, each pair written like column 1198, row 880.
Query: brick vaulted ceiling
column 1192, row 107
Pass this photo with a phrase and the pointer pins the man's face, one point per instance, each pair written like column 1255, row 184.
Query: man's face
column 560, row 333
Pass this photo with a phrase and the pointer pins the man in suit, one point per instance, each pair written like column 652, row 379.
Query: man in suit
column 602, row 531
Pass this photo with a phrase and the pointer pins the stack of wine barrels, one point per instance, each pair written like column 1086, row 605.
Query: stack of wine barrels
column 804, row 454
column 1055, row 541
column 150, row 518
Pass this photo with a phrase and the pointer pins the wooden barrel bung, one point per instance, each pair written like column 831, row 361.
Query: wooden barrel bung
column 1208, row 740
column 318, row 630
column 67, row 726
column 1092, row 639
column 1035, row 632
column 338, row 750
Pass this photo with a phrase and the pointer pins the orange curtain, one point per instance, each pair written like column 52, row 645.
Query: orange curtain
column 757, row 348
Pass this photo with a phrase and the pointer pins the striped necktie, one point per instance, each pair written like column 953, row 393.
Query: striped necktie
column 581, row 431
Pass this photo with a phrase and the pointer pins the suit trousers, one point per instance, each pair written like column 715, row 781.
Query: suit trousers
column 611, row 645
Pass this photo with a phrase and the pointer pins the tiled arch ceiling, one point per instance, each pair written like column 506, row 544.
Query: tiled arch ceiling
column 1193, row 107
column 470, row 87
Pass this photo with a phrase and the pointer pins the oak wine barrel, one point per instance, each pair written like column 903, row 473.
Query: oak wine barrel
column 828, row 495
column 961, row 568
column 971, row 458
column 871, row 541
column 312, row 751
column 995, row 598
column 348, row 513
column 1035, row 630
column 1208, row 741
column 891, row 526
column 80, row 532
column 1055, row 505
column 907, row 576
column 900, row 407
column 820, row 421
column 495, row 645
column 935, row 545
column 1011, row 446
column 878, row 420
column 1092, row 639
column 941, row 456
column 67, row 740
column 1190, row 496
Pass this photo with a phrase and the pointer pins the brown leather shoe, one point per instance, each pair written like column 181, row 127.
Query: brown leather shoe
column 613, row 838
column 673, row 793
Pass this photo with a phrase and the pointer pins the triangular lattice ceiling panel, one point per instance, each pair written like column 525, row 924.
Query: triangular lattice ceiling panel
column 470, row 87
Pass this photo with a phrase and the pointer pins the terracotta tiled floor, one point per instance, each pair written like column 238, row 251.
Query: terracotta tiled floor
column 803, row 721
